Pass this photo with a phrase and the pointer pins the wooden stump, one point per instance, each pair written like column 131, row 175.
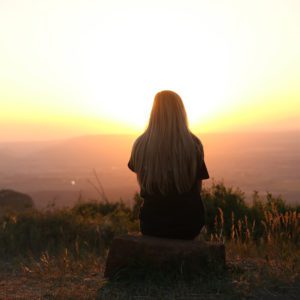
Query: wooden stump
column 193, row 256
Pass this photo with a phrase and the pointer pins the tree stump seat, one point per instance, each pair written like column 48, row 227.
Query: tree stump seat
column 192, row 255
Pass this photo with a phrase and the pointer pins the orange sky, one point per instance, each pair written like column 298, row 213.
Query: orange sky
column 72, row 67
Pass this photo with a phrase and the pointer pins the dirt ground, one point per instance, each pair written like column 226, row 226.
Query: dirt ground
column 51, row 281
column 26, row 286
column 243, row 280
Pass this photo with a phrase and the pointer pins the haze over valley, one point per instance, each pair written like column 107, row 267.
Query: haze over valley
column 62, row 171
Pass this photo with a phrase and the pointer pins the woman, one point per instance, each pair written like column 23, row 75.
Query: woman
column 169, row 162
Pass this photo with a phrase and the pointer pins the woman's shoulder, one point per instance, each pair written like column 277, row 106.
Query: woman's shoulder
column 195, row 138
column 138, row 140
column 197, row 142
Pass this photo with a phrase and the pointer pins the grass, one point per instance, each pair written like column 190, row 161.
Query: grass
column 60, row 253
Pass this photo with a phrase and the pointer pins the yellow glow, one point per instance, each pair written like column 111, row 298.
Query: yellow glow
column 79, row 67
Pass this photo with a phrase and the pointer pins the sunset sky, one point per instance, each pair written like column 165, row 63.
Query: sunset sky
column 74, row 67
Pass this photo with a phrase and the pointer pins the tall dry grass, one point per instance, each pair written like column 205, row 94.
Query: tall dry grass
column 267, row 228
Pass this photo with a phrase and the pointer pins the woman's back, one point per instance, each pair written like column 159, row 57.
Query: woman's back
column 169, row 168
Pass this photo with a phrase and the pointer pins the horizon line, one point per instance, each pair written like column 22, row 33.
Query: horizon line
column 48, row 140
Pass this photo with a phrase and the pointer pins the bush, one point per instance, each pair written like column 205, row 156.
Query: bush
column 220, row 198
column 89, row 227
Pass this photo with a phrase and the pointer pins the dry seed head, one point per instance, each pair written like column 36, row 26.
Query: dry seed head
column 221, row 216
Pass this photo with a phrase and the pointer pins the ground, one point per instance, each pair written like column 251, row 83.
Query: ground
column 32, row 281
column 243, row 279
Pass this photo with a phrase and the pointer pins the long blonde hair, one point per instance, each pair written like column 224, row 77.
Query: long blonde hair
column 166, row 153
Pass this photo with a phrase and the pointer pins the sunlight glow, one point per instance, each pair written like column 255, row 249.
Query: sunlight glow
column 95, row 66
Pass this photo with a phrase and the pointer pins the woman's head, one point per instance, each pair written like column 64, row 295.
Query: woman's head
column 168, row 112
column 165, row 155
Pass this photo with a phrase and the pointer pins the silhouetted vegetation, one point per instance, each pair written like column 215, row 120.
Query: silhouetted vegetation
column 262, row 244
column 226, row 210
column 89, row 227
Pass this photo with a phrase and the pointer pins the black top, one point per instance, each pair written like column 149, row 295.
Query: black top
column 175, row 215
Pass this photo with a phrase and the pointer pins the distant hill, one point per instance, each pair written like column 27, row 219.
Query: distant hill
column 13, row 201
